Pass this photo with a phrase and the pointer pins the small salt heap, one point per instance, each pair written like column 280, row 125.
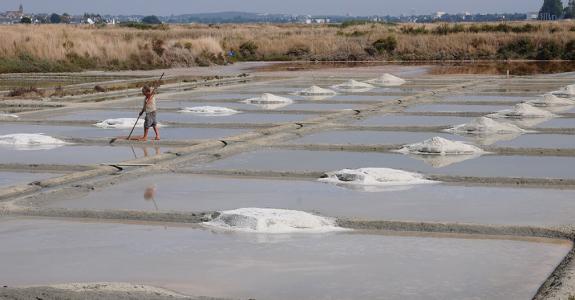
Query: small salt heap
column 440, row 146
column 30, row 141
column 522, row 110
column 266, row 220
column 387, row 80
column 210, row 111
column 120, row 123
column 269, row 101
column 315, row 91
column 354, row 86
column 484, row 126
column 374, row 177
column 568, row 91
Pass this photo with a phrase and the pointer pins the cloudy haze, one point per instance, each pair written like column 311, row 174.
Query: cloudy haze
column 340, row 7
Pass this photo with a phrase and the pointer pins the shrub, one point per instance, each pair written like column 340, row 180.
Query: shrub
column 387, row 44
column 151, row 20
column 158, row 47
column 519, row 48
column 248, row 49
column 549, row 50
column 569, row 50
column 21, row 91
column 298, row 51
column 414, row 30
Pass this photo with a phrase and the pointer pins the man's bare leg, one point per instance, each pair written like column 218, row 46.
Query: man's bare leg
column 145, row 137
column 157, row 133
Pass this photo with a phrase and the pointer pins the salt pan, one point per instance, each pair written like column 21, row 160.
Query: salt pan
column 353, row 86
column 484, row 126
column 374, row 177
column 120, row 123
column 522, row 110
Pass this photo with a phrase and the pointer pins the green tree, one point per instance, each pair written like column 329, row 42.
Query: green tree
column 570, row 10
column 151, row 20
column 551, row 9
column 65, row 18
column 26, row 20
column 55, row 18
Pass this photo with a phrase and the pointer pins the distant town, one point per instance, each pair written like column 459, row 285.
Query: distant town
column 20, row 16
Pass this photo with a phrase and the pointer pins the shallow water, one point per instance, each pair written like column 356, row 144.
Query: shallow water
column 234, row 97
column 558, row 123
column 371, row 137
column 432, row 203
column 78, row 154
column 323, row 266
column 406, row 120
column 468, row 97
column 167, row 133
column 486, row 166
column 98, row 115
column 11, row 178
column 553, row 141
column 456, row 108
column 317, row 105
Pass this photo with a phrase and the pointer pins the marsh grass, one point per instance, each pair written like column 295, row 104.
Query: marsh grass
column 56, row 48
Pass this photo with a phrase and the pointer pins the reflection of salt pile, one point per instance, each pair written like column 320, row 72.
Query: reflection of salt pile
column 387, row 80
column 30, row 141
column 378, row 178
column 484, row 126
column 522, row 110
column 265, row 220
column 440, row 146
column 269, row 101
column 353, row 86
column 210, row 111
column 121, row 123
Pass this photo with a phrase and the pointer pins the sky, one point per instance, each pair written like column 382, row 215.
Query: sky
column 337, row 7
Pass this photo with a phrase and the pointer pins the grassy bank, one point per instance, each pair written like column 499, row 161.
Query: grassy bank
column 56, row 48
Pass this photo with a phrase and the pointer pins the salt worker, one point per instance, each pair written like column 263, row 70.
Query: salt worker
column 150, row 109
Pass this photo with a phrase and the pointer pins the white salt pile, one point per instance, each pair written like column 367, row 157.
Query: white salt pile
column 374, row 177
column 210, row 111
column 440, row 146
column 30, row 141
column 267, row 220
column 387, row 80
column 121, row 123
column 4, row 116
column 485, row 126
column 522, row 110
column 354, row 86
column 550, row 100
column 315, row 91
column 269, row 101
column 568, row 91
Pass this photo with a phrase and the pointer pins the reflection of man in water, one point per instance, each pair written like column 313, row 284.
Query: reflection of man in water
column 156, row 151
column 150, row 195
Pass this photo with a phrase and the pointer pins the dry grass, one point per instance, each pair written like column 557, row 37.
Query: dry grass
column 114, row 47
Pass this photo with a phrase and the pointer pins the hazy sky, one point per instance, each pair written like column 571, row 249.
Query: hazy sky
column 340, row 7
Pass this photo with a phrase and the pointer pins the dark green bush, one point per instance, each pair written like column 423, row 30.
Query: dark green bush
column 387, row 44
column 248, row 49
column 298, row 51
column 569, row 50
column 549, row 50
column 519, row 48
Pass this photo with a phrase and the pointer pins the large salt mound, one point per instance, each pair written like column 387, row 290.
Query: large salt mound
column 440, row 146
column 210, row 111
column 30, row 141
column 121, row 123
column 566, row 91
column 269, row 101
column 387, row 80
column 484, row 126
column 522, row 110
column 266, row 220
column 374, row 177
column 353, row 85
column 315, row 91
column 550, row 100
